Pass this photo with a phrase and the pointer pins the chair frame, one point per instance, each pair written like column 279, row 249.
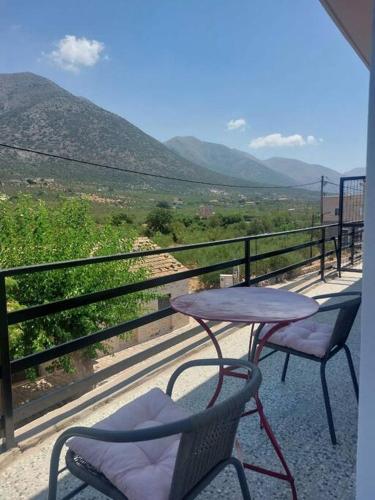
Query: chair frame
column 203, row 451
column 347, row 312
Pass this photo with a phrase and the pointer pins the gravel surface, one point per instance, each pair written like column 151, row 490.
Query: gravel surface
column 295, row 410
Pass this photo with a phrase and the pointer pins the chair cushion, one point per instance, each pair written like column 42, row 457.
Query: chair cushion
column 142, row 470
column 307, row 336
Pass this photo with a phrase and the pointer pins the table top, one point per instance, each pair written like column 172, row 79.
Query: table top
column 246, row 305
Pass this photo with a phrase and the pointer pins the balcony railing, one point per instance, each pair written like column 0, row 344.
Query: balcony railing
column 13, row 417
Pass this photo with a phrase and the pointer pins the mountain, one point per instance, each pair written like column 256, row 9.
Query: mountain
column 225, row 160
column 38, row 114
column 355, row 172
column 303, row 172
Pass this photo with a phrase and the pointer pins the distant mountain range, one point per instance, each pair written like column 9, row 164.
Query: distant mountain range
column 301, row 171
column 226, row 160
column 36, row 113
column 355, row 171
column 277, row 171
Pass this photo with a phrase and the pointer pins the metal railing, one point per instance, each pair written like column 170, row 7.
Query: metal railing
column 13, row 417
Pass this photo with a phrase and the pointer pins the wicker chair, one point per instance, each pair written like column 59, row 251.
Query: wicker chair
column 317, row 342
column 205, row 443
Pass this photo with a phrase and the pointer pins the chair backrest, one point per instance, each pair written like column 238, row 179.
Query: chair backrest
column 348, row 310
column 211, row 439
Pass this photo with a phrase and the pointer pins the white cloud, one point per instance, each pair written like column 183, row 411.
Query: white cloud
column 238, row 124
column 310, row 139
column 73, row 53
column 279, row 140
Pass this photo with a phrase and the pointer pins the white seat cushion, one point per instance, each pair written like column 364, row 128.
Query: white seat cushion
column 143, row 470
column 307, row 336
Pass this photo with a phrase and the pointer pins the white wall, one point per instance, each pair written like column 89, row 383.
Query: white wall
column 366, row 425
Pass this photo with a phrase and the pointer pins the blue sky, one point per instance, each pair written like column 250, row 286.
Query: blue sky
column 277, row 71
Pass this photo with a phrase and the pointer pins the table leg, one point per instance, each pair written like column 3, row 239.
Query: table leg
column 287, row 476
column 219, row 355
column 264, row 422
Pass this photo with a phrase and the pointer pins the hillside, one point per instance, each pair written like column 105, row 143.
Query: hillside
column 301, row 171
column 355, row 172
column 37, row 113
column 223, row 159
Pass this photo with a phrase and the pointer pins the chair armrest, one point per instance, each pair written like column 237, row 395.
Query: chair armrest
column 131, row 436
column 338, row 305
column 336, row 294
column 146, row 434
column 221, row 362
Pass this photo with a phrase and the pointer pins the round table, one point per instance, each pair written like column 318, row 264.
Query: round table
column 250, row 305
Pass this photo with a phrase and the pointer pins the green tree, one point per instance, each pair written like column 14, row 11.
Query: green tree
column 32, row 233
column 121, row 218
column 159, row 220
column 163, row 204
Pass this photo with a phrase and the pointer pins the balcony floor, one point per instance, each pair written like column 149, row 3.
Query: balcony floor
column 295, row 411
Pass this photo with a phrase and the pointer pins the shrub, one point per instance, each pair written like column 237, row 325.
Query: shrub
column 159, row 220
column 31, row 233
column 163, row 204
column 121, row 218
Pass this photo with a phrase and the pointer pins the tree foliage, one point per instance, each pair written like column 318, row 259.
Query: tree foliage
column 159, row 220
column 31, row 233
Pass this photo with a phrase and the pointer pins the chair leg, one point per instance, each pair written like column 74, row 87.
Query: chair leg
column 352, row 370
column 253, row 342
column 241, row 478
column 54, row 471
column 198, row 488
column 285, row 368
column 327, row 402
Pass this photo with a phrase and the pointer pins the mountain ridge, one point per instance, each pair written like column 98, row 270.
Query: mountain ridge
column 274, row 170
column 302, row 171
column 39, row 114
column 221, row 158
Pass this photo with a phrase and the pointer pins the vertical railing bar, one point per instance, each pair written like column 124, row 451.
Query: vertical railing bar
column 323, row 253
column 341, row 215
column 352, row 247
column 6, row 377
column 247, row 262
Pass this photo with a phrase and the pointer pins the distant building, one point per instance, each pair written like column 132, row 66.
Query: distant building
column 157, row 266
column 353, row 207
column 177, row 202
column 205, row 211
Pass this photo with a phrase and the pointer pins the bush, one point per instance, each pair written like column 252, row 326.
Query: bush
column 121, row 218
column 159, row 220
column 31, row 233
column 163, row 204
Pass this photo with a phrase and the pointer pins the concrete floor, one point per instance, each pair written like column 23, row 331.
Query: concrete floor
column 295, row 410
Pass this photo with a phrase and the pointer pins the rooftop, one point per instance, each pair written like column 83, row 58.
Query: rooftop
column 295, row 410
column 157, row 265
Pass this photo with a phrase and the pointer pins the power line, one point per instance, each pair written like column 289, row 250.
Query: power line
column 148, row 174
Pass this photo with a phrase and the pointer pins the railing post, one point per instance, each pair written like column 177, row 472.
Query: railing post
column 247, row 262
column 352, row 246
column 6, row 376
column 323, row 254
column 341, row 221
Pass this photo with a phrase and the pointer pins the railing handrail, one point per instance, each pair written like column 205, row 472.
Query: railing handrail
column 8, row 366
column 50, row 266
